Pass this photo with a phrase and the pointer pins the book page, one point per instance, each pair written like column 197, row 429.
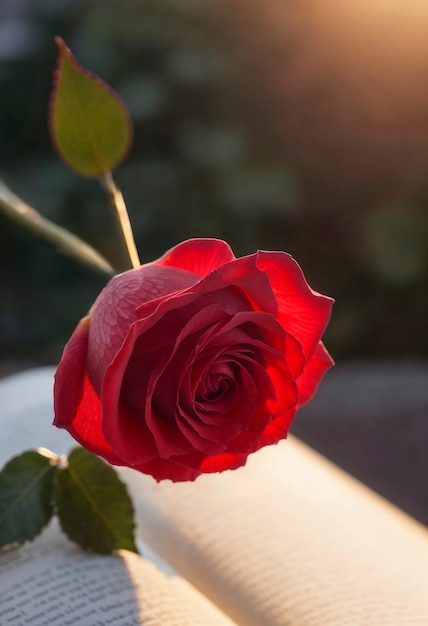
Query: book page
column 52, row 582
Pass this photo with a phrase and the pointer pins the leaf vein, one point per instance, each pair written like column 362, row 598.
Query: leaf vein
column 24, row 493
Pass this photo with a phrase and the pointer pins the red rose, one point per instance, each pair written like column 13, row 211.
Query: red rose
column 188, row 364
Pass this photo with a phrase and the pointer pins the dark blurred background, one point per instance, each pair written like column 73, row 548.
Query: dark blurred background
column 296, row 126
column 300, row 126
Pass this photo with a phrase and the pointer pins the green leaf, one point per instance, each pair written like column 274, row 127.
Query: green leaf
column 89, row 124
column 26, row 486
column 93, row 505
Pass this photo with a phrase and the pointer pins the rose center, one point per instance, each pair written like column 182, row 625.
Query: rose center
column 216, row 382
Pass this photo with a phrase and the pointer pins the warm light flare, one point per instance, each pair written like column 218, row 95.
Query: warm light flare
column 343, row 83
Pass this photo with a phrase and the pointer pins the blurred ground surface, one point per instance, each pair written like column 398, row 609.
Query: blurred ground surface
column 372, row 420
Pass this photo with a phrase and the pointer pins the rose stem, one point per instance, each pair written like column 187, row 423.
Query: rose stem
column 118, row 203
column 66, row 242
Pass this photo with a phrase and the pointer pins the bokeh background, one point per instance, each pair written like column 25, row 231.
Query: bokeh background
column 300, row 126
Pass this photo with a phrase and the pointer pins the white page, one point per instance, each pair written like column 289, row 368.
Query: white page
column 52, row 582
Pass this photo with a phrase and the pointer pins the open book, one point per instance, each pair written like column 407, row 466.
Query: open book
column 287, row 540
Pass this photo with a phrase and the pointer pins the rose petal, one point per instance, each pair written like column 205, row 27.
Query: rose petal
column 131, row 438
column 200, row 256
column 212, row 439
column 119, row 430
column 223, row 462
column 217, row 393
column 303, row 312
column 164, row 469
column 277, row 396
column 76, row 405
column 156, row 389
column 277, row 350
column 190, row 467
column 177, row 468
column 165, row 382
column 277, row 429
column 313, row 373
column 119, row 306
column 70, row 374
column 243, row 274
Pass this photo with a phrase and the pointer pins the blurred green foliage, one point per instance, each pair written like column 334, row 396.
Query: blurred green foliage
column 209, row 159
